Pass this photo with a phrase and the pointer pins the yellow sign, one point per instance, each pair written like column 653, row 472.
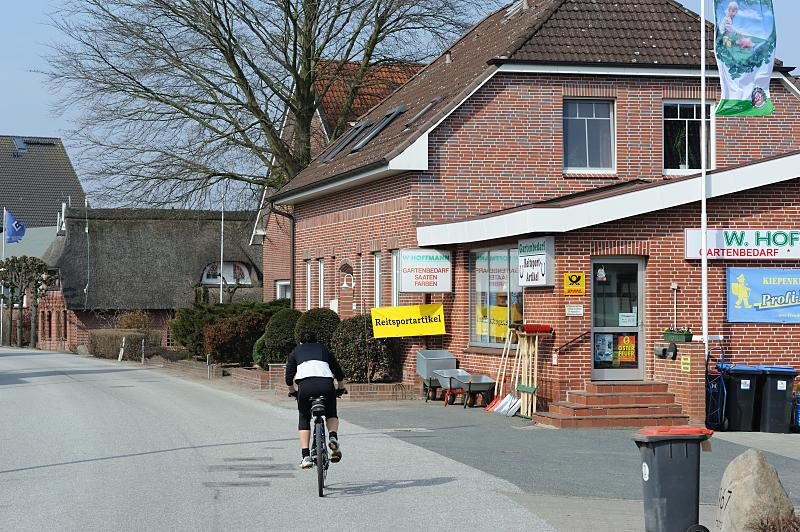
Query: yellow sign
column 626, row 348
column 574, row 284
column 417, row 320
column 686, row 364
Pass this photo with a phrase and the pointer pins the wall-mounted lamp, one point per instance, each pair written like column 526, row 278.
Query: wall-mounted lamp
column 348, row 283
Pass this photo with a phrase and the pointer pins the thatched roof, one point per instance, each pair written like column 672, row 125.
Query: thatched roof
column 148, row 258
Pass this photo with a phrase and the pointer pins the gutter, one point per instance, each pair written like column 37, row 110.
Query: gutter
column 291, row 249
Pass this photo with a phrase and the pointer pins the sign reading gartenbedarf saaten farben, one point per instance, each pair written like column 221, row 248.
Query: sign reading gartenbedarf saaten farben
column 425, row 271
column 763, row 295
column 745, row 48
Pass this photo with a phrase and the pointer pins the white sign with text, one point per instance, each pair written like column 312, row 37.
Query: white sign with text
column 744, row 244
column 425, row 271
column 536, row 261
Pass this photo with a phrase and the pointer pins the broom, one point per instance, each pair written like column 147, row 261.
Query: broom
column 501, row 372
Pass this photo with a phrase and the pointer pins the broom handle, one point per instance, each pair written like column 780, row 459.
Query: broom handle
column 515, row 371
column 535, row 371
column 501, row 370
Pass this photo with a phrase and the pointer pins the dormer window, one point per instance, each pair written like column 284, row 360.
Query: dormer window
column 232, row 273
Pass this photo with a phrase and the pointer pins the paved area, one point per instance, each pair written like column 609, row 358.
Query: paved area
column 92, row 445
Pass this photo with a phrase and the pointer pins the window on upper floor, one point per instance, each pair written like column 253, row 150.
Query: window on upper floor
column 588, row 135
column 283, row 289
column 682, row 137
column 232, row 273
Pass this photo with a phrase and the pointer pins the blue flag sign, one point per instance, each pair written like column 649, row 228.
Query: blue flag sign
column 14, row 230
column 763, row 295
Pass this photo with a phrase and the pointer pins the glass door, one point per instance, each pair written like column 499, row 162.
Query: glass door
column 617, row 319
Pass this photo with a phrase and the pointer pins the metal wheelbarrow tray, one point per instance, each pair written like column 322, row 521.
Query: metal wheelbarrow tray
column 428, row 361
column 458, row 381
column 474, row 385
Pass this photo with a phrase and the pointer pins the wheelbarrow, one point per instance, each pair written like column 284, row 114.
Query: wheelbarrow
column 457, row 382
column 429, row 360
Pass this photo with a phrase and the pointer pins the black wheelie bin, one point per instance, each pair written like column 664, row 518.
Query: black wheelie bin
column 741, row 386
column 775, row 398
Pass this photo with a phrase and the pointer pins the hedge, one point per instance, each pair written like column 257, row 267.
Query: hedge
column 231, row 339
column 106, row 343
column 277, row 341
column 364, row 358
column 321, row 321
column 136, row 319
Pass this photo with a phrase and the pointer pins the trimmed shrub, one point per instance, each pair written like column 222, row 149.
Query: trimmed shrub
column 277, row 341
column 230, row 339
column 136, row 319
column 364, row 358
column 321, row 321
column 189, row 323
column 106, row 343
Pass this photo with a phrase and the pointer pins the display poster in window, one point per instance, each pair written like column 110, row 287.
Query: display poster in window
column 615, row 350
column 536, row 261
column 626, row 348
column 425, row 271
column 744, row 244
column 603, row 347
column 763, row 295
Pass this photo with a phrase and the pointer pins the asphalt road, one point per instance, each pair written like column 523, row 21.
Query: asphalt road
column 88, row 444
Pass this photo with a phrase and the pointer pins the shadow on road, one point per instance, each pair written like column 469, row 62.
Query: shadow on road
column 20, row 378
column 358, row 489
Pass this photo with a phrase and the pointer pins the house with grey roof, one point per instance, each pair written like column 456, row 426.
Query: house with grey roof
column 111, row 261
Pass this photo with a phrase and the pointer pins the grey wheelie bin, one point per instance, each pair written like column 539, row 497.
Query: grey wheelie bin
column 775, row 398
column 741, row 386
column 671, row 477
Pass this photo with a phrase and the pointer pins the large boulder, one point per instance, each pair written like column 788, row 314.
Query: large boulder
column 750, row 492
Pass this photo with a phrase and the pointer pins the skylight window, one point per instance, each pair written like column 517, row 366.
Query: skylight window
column 20, row 145
column 423, row 112
column 347, row 139
column 378, row 127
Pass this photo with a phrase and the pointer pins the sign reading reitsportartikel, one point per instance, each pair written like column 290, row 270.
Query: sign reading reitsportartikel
column 425, row 271
column 745, row 49
column 413, row 320
column 744, row 244
column 763, row 295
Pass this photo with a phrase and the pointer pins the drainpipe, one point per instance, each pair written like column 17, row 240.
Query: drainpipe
column 291, row 248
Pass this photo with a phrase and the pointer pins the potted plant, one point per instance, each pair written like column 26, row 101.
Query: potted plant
column 678, row 334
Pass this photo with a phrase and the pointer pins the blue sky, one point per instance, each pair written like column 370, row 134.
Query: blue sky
column 25, row 100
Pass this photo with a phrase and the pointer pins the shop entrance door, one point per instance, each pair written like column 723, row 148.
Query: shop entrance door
column 617, row 319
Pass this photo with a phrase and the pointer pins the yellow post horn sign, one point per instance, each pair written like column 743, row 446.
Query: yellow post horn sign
column 416, row 320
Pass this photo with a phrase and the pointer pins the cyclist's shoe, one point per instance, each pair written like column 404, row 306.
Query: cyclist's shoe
column 336, row 453
column 307, row 463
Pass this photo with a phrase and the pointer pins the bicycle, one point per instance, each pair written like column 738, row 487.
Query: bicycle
column 716, row 393
column 318, row 449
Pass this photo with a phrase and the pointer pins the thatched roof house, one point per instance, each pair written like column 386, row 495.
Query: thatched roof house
column 151, row 259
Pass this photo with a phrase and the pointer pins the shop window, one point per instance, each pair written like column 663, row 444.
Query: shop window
column 395, row 278
column 376, row 258
column 682, row 136
column 588, row 135
column 308, row 285
column 321, row 280
column 232, row 273
column 495, row 295
column 283, row 289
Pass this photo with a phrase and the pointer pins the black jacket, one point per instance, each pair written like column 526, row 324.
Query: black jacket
column 312, row 360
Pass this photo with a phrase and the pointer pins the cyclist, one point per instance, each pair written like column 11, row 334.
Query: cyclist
column 313, row 367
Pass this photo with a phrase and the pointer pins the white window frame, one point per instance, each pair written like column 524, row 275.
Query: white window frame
column 613, row 117
column 283, row 284
column 395, row 278
column 321, row 282
column 712, row 147
column 376, row 275
column 308, row 285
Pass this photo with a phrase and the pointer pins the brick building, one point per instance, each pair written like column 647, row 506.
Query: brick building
column 572, row 119
column 108, row 262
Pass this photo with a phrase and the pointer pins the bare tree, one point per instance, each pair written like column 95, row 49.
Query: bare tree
column 176, row 96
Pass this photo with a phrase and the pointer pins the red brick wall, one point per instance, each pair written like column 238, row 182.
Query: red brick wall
column 276, row 253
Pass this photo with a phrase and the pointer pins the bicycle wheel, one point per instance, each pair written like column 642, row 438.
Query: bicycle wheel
column 319, row 441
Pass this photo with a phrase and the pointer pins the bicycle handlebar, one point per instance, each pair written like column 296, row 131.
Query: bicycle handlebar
column 341, row 391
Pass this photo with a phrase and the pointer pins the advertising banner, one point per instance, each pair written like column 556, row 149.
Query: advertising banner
column 425, row 271
column 744, row 244
column 536, row 261
column 416, row 320
column 745, row 49
column 763, row 295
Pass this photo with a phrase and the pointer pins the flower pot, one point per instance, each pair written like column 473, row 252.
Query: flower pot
column 678, row 337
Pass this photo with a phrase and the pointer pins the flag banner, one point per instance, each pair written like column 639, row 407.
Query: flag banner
column 417, row 320
column 14, row 230
column 745, row 49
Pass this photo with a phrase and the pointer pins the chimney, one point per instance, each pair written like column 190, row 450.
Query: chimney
column 448, row 58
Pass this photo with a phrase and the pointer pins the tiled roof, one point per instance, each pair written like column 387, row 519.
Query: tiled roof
column 378, row 84
column 35, row 181
column 643, row 33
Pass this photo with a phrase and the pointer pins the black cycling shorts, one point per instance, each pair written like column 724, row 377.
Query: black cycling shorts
column 311, row 388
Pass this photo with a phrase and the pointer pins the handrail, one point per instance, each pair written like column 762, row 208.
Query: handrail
column 585, row 333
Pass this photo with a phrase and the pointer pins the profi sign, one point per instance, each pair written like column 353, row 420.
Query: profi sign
column 536, row 261
column 744, row 244
column 425, row 271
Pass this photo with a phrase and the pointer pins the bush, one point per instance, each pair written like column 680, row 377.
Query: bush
column 137, row 319
column 106, row 343
column 321, row 321
column 364, row 358
column 231, row 339
column 278, row 339
column 189, row 323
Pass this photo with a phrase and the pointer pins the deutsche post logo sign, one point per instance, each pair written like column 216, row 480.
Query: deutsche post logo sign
column 574, row 284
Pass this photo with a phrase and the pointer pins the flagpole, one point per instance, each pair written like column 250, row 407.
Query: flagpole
column 221, row 244
column 3, row 301
column 703, row 184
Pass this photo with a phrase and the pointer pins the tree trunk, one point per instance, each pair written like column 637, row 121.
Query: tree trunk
column 10, row 317
column 34, row 322
column 20, row 317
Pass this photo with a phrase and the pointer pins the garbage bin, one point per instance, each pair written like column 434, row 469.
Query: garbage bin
column 671, row 477
column 740, row 386
column 775, row 398
column 796, row 419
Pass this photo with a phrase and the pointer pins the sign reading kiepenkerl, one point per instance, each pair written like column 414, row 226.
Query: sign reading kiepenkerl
column 536, row 261
column 425, row 271
column 744, row 244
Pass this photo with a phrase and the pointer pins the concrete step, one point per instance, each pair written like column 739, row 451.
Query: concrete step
column 578, row 410
column 620, row 398
column 626, row 387
column 589, row 422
